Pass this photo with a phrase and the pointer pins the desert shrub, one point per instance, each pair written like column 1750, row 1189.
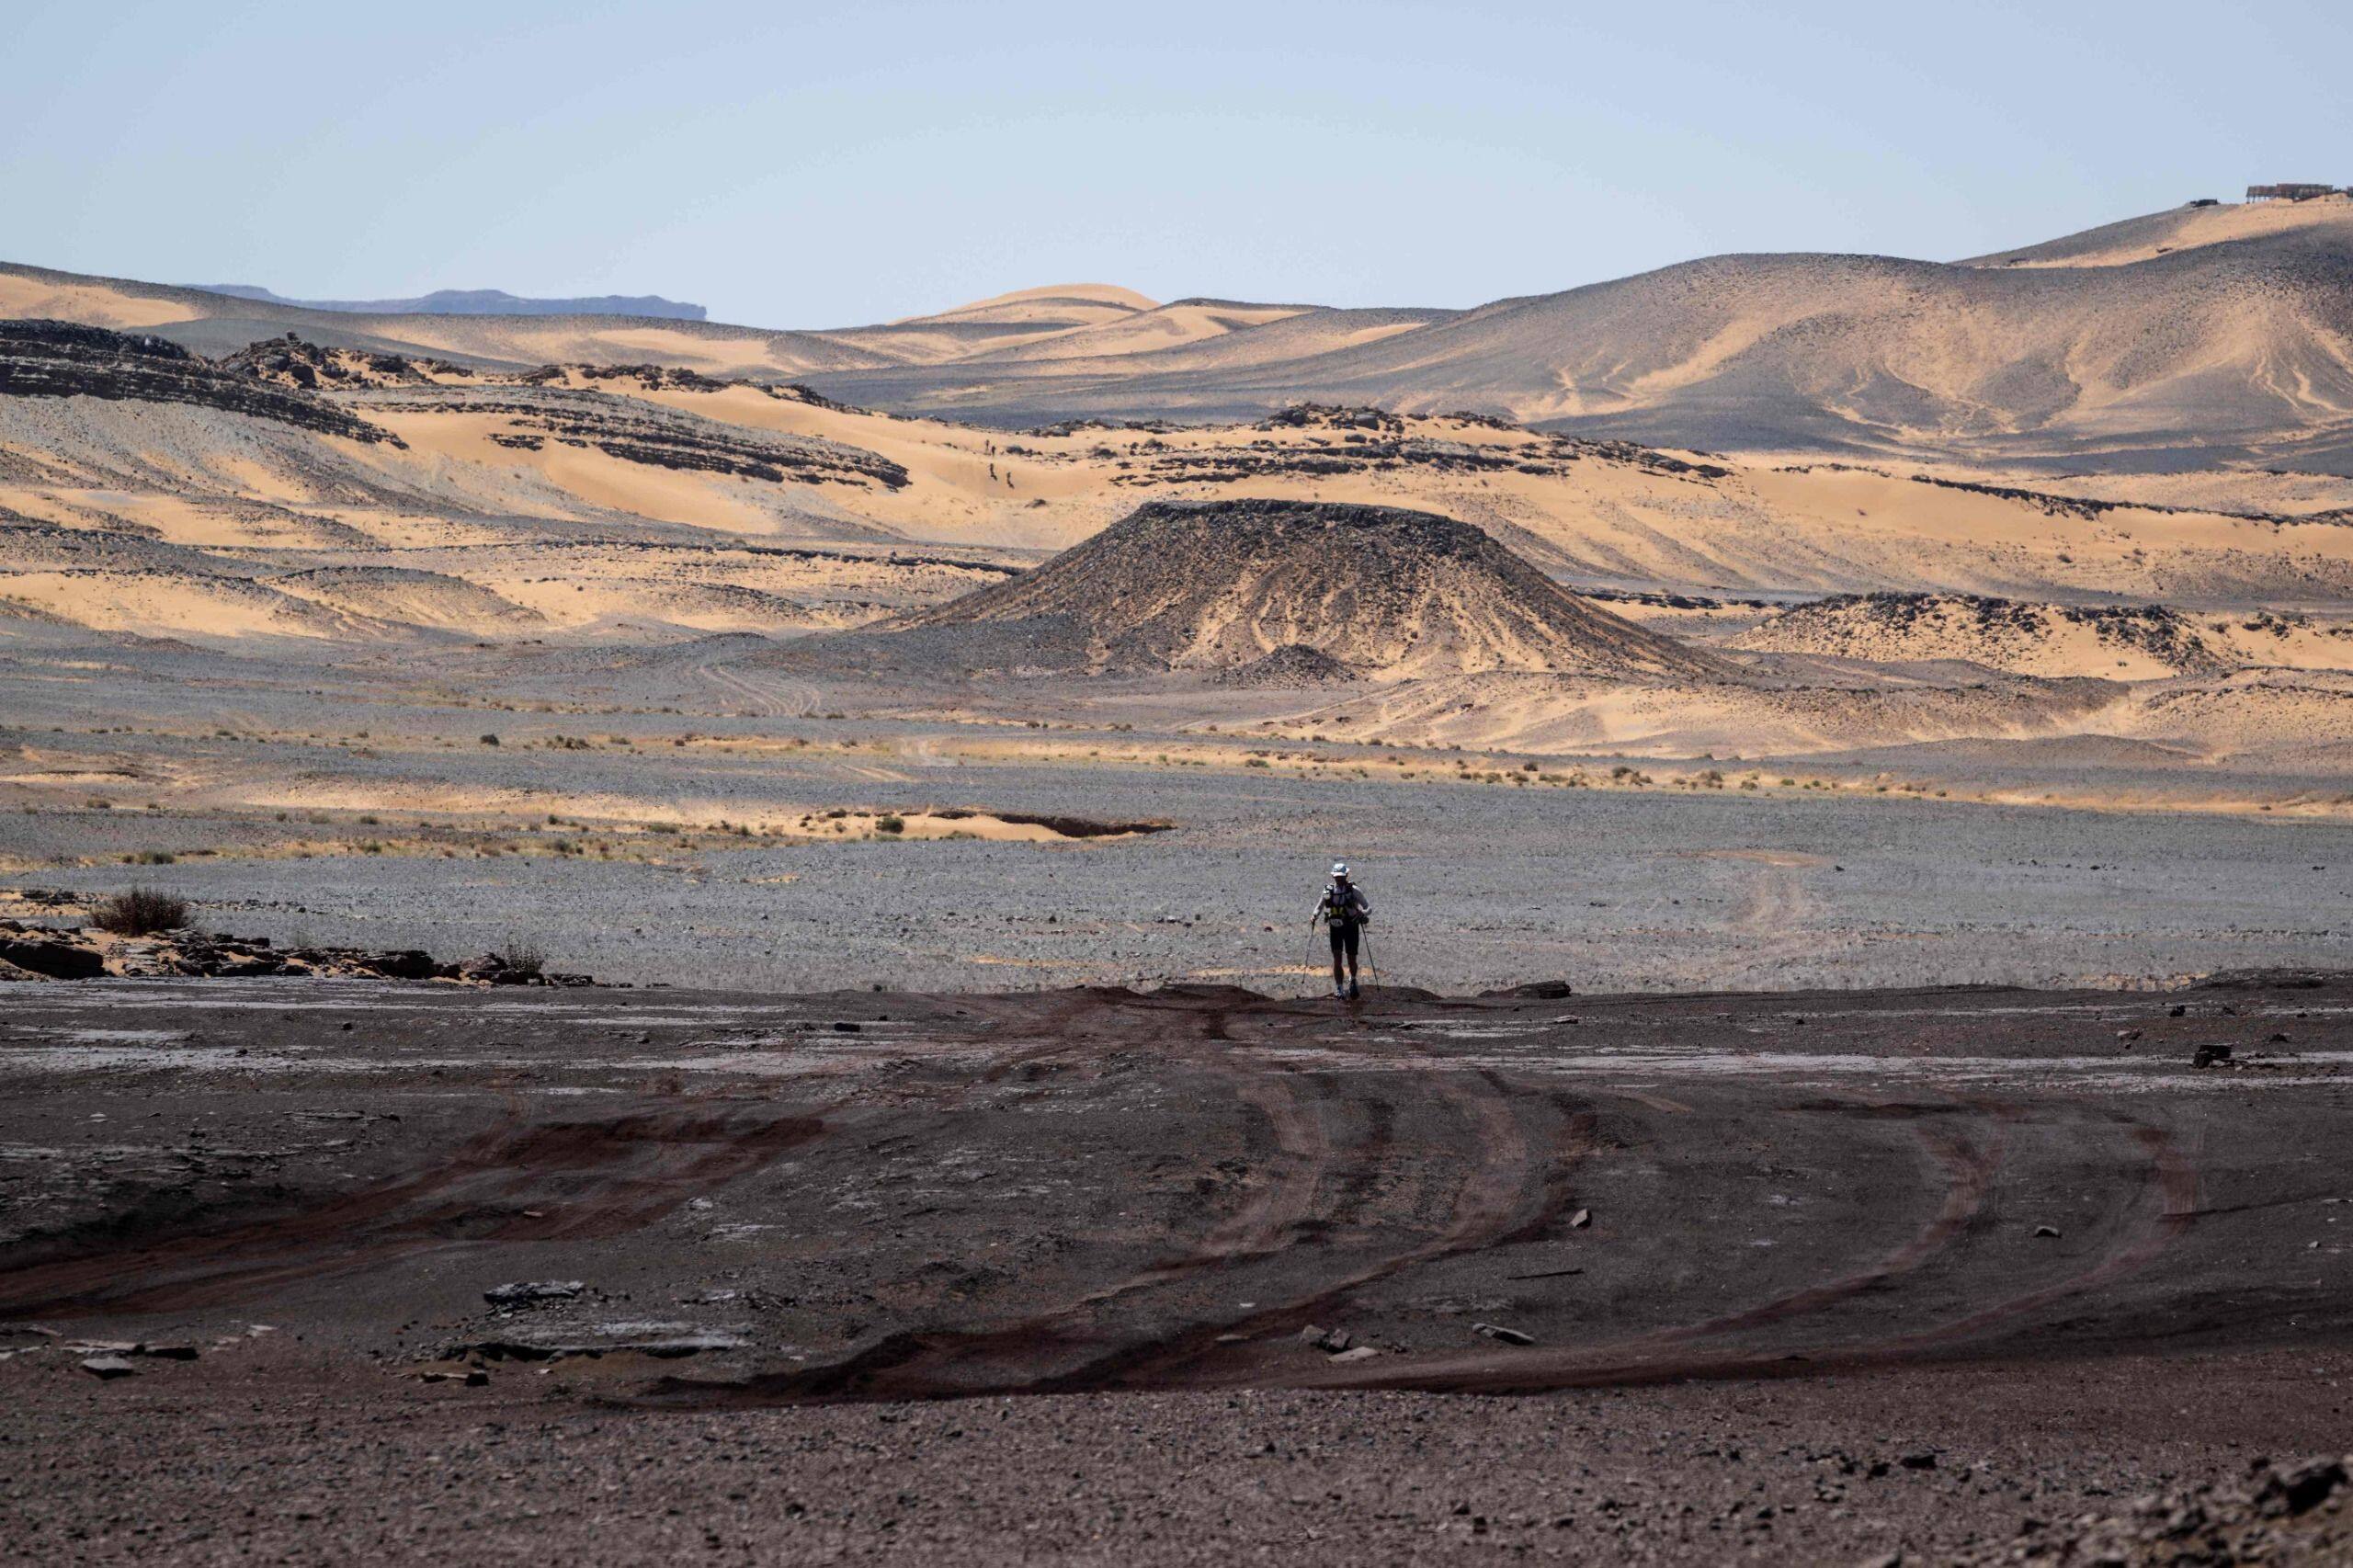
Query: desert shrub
column 522, row 956
column 138, row 911
column 490, row 739
column 894, row 823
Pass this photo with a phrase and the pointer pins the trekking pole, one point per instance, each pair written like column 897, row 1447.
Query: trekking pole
column 1369, row 961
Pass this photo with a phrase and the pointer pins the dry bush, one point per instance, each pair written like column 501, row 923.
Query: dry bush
column 139, row 912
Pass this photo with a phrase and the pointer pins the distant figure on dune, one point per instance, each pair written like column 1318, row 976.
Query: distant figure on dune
column 1345, row 911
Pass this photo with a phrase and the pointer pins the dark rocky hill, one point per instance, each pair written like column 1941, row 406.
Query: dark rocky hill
column 1222, row 585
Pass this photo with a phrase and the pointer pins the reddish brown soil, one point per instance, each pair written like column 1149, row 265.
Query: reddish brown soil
column 1808, row 1228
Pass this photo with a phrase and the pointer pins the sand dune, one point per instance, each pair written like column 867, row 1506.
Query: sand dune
column 407, row 596
column 2183, row 227
column 166, row 604
column 654, row 458
column 1154, row 330
column 2200, row 336
column 355, row 496
column 2142, row 642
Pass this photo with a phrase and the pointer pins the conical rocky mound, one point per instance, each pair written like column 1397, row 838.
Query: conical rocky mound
column 1219, row 585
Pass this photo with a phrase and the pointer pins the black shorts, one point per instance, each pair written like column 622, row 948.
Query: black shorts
column 1344, row 940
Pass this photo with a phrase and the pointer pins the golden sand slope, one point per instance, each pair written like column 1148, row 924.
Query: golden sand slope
column 2142, row 642
column 469, row 477
column 2183, row 229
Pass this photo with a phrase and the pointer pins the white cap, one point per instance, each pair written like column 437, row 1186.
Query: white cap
column 1339, row 867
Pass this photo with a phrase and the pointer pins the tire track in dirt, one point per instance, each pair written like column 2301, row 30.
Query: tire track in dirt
column 545, row 1181
column 1495, row 1194
column 761, row 694
column 2166, row 1191
column 920, row 1363
column 2168, row 1194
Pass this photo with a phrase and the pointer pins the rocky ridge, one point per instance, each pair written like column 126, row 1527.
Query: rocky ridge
column 31, row 952
column 52, row 358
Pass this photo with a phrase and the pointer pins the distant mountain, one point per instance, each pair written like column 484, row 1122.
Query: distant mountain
column 477, row 302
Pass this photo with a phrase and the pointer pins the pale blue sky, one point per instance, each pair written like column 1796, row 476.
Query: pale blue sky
column 796, row 166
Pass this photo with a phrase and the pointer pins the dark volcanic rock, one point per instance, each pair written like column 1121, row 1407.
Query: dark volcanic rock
column 64, row 954
column 659, row 438
column 1221, row 585
column 52, row 358
column 1292, row 664
column 290, row 361
column 54, row 957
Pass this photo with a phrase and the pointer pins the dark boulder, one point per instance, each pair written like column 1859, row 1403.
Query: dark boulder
column 58, row 959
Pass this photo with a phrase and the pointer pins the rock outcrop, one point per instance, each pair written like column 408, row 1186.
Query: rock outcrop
column 43, row 952
column 54, row 359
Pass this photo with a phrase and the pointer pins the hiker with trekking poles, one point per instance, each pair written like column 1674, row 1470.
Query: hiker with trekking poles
column 1345, row 911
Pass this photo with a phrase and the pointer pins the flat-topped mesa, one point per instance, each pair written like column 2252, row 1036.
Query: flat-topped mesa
column 1220, row 585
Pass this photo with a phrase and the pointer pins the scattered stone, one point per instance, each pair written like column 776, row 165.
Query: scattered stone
column 63, row 953
column 524, row 1292
column 1924, row 1460
column 106, row 1368
column 2300, row 1488
column 2046, row 1230
column 2268, row 1519
column 2211, row 1055
column 1502, row 1336
column 1356, row 1352
column 1536, row 991
column 1581, row 1218
column 477, row 1379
